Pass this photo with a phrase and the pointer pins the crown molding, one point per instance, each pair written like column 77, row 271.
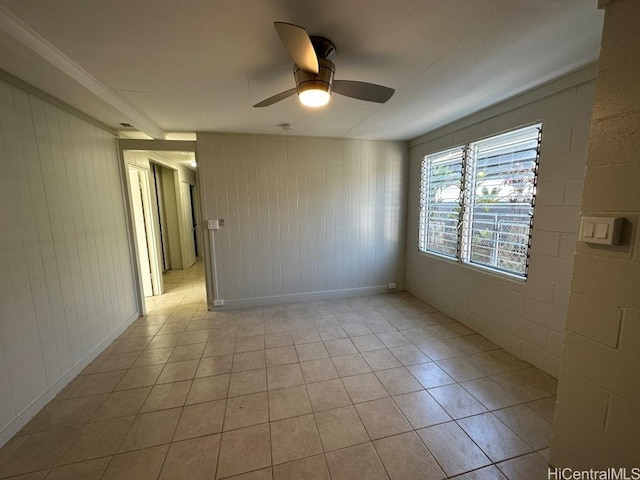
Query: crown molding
column 27, row 87
column 23, row 33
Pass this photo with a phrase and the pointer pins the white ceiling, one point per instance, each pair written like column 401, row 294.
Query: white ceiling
column 185, row 159
column 199, row 65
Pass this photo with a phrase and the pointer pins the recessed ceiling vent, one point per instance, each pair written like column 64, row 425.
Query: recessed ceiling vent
column 125, row 125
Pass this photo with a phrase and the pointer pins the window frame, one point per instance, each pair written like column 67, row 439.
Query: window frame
column 469, row 195
column 424, row 211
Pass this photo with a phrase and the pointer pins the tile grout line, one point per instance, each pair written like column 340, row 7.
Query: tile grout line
column 308, row 318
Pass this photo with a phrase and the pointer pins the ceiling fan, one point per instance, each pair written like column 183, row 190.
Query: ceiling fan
column 313, row 71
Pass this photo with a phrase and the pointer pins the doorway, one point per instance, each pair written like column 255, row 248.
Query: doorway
column 195, row 210
column 167, row 206
column 163, row 200
column 190, row 228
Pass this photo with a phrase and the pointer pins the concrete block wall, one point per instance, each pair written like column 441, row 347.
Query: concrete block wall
column 527, row 318
column 305, row 218
column 597, row 422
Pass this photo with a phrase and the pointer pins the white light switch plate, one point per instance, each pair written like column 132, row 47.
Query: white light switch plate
column 601, row 230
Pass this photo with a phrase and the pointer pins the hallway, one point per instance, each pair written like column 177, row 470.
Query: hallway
column 184, row 292
column 359, row 388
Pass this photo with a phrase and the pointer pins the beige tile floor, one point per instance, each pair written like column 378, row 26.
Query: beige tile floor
column 362, row 388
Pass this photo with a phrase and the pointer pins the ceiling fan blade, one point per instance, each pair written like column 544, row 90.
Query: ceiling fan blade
column 276, row 98
column 363, row 90
column 298, row 45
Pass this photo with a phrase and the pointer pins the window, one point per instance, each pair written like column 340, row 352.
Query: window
column 441, row 202
column 476, row 201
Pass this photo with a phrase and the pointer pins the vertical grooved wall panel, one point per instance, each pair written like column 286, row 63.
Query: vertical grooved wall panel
column 66, row 282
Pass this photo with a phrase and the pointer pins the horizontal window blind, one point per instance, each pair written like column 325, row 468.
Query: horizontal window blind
column 441, row 202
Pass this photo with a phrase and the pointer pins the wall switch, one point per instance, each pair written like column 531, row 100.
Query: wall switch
column 391, row 286
column 218, row 303
column 601, row 230
column 588, row 229
column 213, row 224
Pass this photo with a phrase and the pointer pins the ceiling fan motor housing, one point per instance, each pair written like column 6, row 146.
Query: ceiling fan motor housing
column 322, row 81
column 323, row 47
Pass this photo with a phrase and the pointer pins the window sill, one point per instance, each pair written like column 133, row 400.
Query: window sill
column 498, row 275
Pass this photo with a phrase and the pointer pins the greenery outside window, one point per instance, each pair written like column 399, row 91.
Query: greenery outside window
column 477, row 201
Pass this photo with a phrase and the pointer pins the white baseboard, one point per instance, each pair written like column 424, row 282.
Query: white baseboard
column 303, row 297
column 9, row 430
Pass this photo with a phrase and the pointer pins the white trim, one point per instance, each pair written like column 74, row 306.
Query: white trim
column 133, row 249
column 303, row 297
column 28, row 413
column 157, row 145
column 23, row 33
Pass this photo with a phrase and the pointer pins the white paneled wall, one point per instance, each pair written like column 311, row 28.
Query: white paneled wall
column 303, row 216
column 526, row 318
column 66, row 283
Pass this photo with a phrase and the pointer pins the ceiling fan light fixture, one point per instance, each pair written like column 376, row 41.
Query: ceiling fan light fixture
column 314, row 90
column 315, row 96
column 314, row 72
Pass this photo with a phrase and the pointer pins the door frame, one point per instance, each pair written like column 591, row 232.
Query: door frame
column 187, row 224
column 149, row 230
column 168, row 146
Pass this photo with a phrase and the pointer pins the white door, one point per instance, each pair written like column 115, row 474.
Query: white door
column 150, row 232
column 189, row 229
column 139, row 231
